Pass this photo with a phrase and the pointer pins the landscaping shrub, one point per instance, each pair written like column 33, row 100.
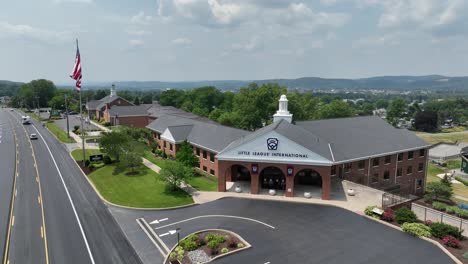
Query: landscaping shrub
column 188, row 245
column 460, row 179
column 240, row 245
column 439, row 206
column 388, row 215
column 87, row 162
column 232, row 242
column 92, row 166
column 173, row 255
column 106, row 124
column 368, row 211
column 405, row 215
column 213, row 244
column 209, row 237
column 450, row 241
column 441, row 230
column 463, row 213
column 416, row 229
column 428, row 222
column 452, row 209
column 75, row 128
column 106, row 159
column 192, row 237
column 224, row 250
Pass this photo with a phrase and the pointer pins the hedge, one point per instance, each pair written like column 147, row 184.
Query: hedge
column 416, row 229
column 440, row 230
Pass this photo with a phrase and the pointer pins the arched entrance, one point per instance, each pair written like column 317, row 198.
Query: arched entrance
column 308, row 181
column 308, row 177
column 240, row 173
column 272, row 178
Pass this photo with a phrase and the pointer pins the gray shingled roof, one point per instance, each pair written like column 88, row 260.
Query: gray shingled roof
column 180, row 133
column 208, row 135
column 92, row 105
column 109, row 99
column 130, row 110
column 357, row 137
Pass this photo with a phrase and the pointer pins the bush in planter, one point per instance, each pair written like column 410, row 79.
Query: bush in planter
column 441, row 230
column 428, row 222
column 240, row 245
column 388, row 215
column 188, row 245
column 224, row 250
column 439, row 206
column 86, row 163
column 463, row 213
column 452, row 209
column 232, row 242
column 173, row 255
column 450, row 241
column 416, row 229
column 405, row 215
column 368, row 211
column 213, row 244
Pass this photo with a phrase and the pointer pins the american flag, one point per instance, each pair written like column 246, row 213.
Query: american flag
column 76, row 73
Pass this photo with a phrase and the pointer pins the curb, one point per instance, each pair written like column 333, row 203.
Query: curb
column 123, row 206
column 456, row 260
column 247, row 244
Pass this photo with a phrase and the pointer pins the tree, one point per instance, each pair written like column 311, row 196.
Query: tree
column 174, row 173
column 114, row 143
column 185, row 155
column 438, row 190
column 381, row 103
column 426, row 121
column 396, row 110
column 130, row 158
column 137, row 100
column 335, row 109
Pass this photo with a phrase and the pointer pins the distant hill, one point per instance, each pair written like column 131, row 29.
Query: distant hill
column 428, row 82
column 9, row 88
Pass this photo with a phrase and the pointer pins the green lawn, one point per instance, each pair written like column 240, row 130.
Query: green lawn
column 443, row 137
column 77, row 154
column 143, row 190
column 59, row 133
column 454, row 164
column 433, row 170
column 204, row 183
column 147, row 154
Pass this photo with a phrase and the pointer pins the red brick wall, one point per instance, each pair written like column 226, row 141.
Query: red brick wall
column 206, row 164
column 133, row 121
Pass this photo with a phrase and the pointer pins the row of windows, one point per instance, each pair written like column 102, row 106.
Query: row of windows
column 212, row 172
column 170, row 145
column 205, row 154
column 376, row 161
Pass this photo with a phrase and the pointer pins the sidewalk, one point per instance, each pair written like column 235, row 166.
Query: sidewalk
column 103, row 128
column 353, row 203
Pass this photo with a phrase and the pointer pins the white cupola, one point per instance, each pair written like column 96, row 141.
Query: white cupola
column 113, row 92
column 282, row 112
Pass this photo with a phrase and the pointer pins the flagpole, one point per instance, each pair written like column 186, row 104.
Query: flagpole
column 82, row 128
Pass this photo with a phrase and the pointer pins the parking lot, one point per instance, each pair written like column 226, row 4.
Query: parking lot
column 283, row 232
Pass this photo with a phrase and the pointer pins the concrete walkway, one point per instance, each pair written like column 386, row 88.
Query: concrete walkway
column 103, row 128
column 364, row 196
column 460, row 197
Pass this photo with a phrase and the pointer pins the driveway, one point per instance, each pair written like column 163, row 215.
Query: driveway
column 283, row 232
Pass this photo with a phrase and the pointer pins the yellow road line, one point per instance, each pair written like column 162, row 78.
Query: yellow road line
column 12, row 205
column 38, row 179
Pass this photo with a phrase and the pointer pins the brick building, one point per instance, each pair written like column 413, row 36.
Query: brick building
column 289, row 157
column 98, row 109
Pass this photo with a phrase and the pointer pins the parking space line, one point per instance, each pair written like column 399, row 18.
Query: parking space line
column 147, row 229
column 224, row 216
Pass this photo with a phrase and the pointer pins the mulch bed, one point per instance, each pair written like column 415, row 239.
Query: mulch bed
column 207, row 250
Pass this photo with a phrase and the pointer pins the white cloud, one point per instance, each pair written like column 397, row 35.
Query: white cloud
column 253, row 44
column 138, row 32
column 136, row 42
column 385, row 40
column 182, row 41
column 141, row 19
column 328, row 2
column 33, row 33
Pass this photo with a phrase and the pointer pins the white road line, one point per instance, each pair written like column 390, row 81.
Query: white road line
column 159, row 221
column 152, row 240
column 69, row 197
column 225, row 216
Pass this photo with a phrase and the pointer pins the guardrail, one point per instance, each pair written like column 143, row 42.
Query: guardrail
column 425, row 213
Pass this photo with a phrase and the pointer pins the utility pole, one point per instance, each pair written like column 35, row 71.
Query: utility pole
column 66, row 113
column 37, row 105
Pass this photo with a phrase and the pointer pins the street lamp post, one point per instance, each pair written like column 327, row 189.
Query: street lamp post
column 177, row 229
column 66, row 113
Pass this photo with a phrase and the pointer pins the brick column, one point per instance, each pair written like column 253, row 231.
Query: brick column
column 289, row 186
column 222, row 170
column 254, row 183
column 326, row 186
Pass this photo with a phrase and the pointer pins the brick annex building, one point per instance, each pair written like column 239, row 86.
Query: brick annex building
column 289, row 157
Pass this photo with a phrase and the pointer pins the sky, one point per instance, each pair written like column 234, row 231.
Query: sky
column 182, row 40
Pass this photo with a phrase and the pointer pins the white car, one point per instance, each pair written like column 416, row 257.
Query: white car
column 33, row 136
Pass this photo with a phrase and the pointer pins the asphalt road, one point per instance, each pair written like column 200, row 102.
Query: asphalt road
column 95, row 238
column 302, row 233
column 7, row 172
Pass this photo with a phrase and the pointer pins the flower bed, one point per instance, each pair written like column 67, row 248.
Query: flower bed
column 448, row 236
column 205, row 246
